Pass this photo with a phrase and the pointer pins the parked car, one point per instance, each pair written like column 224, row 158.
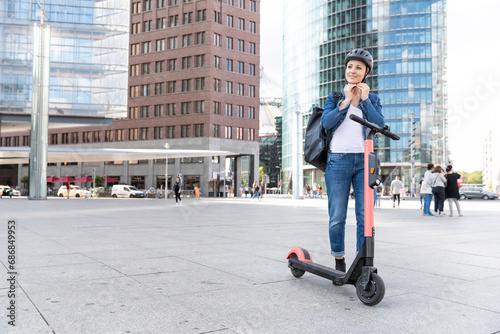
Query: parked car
column 8, row 191
column 123, row 190
column 476, row 192
column 74, row 191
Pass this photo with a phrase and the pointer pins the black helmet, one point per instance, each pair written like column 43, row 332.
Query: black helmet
column 363, row 56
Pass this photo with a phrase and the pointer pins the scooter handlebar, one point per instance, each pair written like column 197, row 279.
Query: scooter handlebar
column 385, row 131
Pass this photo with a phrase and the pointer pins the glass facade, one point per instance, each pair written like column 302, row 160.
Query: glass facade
column 88, row 56
column 407, row 39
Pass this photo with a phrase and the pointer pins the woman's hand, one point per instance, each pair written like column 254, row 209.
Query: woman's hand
column 365, row 90
column 348, row 92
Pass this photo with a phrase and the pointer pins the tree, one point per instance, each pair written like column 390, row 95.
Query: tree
column 262, row 171
column 99, row 181
column 24, row 180
column 475, row 177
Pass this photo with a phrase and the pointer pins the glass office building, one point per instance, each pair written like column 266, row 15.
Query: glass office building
column 88, row 55
column 407, row 39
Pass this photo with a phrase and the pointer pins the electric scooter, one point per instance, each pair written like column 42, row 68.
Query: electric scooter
column 370, row 287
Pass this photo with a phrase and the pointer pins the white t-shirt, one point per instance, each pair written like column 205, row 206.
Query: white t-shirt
column 348, row 138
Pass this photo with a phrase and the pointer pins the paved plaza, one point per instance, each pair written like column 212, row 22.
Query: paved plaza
column 218, row 266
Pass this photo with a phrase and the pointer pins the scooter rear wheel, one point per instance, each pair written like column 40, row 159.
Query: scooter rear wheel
column 298, row 273
column 375, row 292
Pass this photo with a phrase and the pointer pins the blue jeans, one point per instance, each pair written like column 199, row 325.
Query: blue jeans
column 427, row 203
column 342, row 170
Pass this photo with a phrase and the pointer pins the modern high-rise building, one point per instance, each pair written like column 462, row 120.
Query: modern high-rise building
column 408, row 42
column 193, row 83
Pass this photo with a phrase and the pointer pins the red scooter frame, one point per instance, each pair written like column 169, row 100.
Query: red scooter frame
column 370, row 287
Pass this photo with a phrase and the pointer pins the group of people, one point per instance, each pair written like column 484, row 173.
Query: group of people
column 316, row 191
column 439, row 185
column 255, row 190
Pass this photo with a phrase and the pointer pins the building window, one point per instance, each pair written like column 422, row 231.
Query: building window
column 186, row 85
column 64, row 138
column 217, row 85
column 132, row 134
column 119, row 135
column 158, row 110
column 200, row 61
column 217, row 17
column 148, row 5
column 26, row 141
column 97, row 136
column 253, row 27
column 200, row 38
column 228, row 132
column 251, row 69
column 187, row 18
column 229, row 87
column 241, row 67
column 229, row 65
column 199, row 107
column 242, row 4
column 229, row 109
column 144, row 133
column 133, row 112
column 201, row 15
column 239, row 133
column 230, row 21
column 241, row 45
column 135, row 28
column 217, row 62
column 148, row 26
column 185, row 131
column 241, row 23
column 158, row 132
column 136, row 7
column 173, row 21
column 251, row 134
column 161, row 3
column 170, row 131
column 146, row 47
column 172, row 43
column 185, row 108
column 253, row 5
column 230, row 2
column 159, row 88
column 216, row 131
column 145, row 112
column 86, row 137
column 145, row 90
column 251, row 90
column 53, row 139
column 217, row 39
column 186, row 40
column 160, row 66
column 161, row 23
column 134, row 91
column 146, row 68
column 171, row 87
column 229, row 43
column 172, row 64
column 200, row 83
column 241, row 89
column 198, row 130
column 171, row 108
column 160, row 45
column 108, row 135
column 216, row 108
column 251, row 48
column 186, row 63
column 251, row 112
column 134, row 70
column 173, row 2
column 241, row 111
column 135, row 49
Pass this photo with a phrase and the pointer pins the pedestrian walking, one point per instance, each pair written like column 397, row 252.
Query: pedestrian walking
column 420, row 194
column 396, row 187
column 438, row 184
column 307, row 190
column 255, row 189
column 378, row 197
column 451, row 190
column 177, row 191
column 427, row 190
column 315, row 190
column 345, row 163
column 246, row 190
column 320, row 191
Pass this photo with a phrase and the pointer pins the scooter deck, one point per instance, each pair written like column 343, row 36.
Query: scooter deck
column 338, row 277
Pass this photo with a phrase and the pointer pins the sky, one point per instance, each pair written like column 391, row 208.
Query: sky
column 473, row 71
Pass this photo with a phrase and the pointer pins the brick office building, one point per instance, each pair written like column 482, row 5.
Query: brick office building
column 193, row 83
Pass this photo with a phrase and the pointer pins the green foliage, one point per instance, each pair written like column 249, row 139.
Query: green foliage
column 99, row 181
column 24, row 179
column 475, row 177
column 262, row 171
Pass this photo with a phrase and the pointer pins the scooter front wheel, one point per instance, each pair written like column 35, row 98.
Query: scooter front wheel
column 298, row 273
column 375, row 292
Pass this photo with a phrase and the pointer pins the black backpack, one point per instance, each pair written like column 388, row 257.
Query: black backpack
column 317, row 139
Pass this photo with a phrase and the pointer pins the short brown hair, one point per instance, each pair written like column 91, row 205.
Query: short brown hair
column 438, row 169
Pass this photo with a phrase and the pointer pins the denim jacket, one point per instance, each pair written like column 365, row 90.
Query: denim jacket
column 332, row 117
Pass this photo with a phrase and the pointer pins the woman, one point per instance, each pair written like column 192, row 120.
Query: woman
column 255, row 190
column 438, row 183
column 345, row 164
column 451, row 189
column 177, row 191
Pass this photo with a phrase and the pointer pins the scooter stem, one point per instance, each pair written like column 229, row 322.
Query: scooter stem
column 368, row 190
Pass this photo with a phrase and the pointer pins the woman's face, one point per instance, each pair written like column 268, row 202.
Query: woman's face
column 355, row 71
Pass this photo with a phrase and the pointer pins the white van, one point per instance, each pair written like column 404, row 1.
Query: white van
column 122, row 190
